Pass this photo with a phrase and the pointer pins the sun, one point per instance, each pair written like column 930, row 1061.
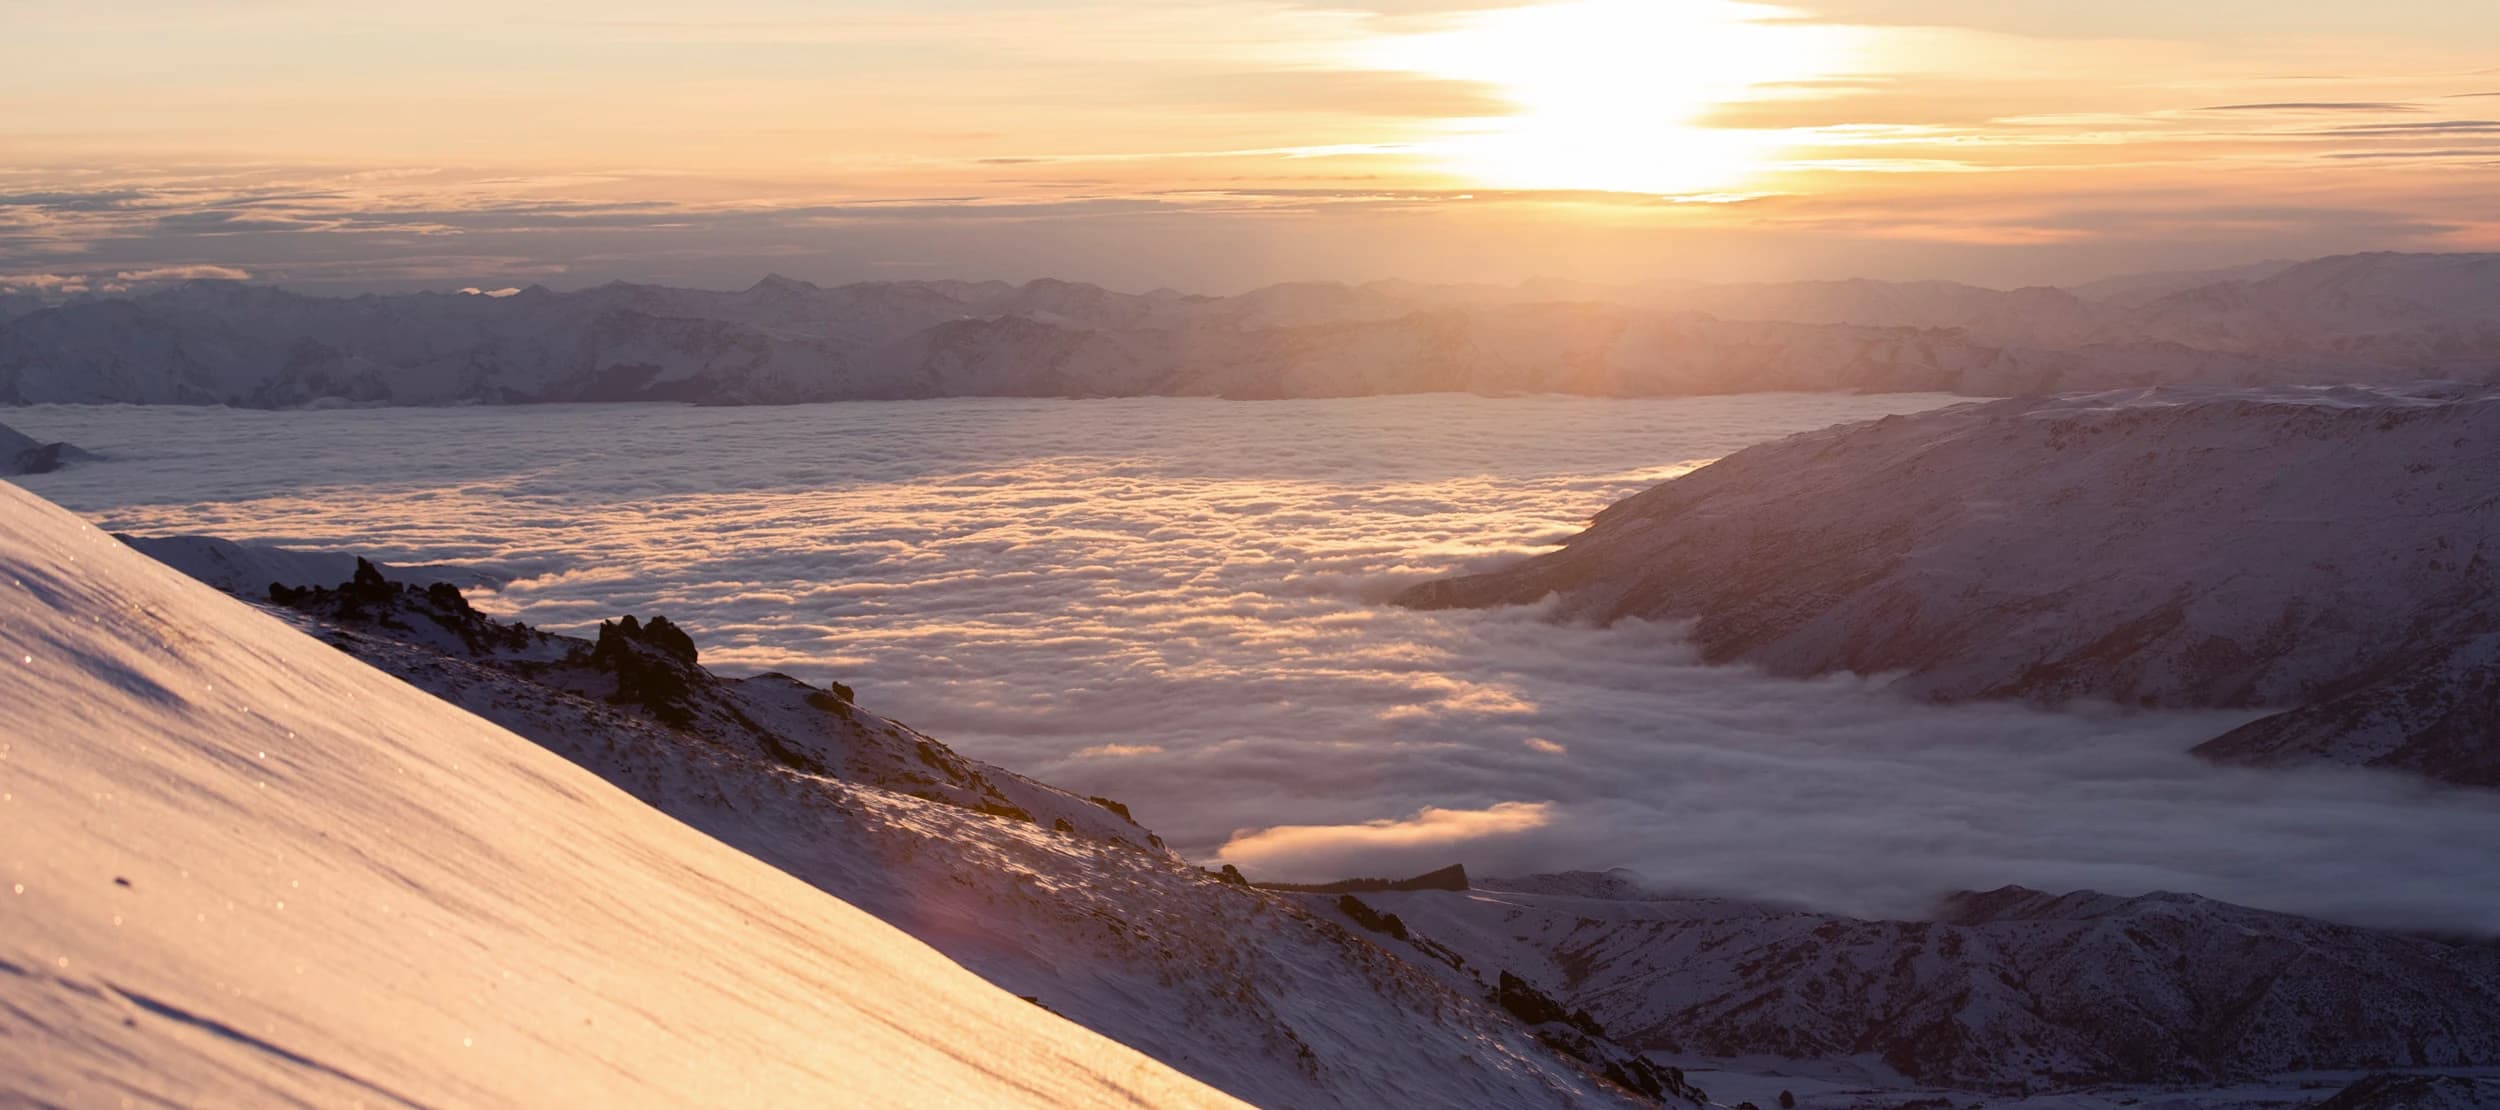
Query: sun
column 1613, row 94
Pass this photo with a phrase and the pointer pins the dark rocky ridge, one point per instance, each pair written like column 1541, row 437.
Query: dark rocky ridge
column 652, row 669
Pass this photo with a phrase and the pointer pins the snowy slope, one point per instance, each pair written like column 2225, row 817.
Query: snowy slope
column 2170, row 547
column 2006, row 991
column 2431, row 712
column 242, row 868
column 2378, row 317
column 1058, row 898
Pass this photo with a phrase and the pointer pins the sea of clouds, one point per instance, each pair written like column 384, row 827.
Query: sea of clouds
column 1179, row 603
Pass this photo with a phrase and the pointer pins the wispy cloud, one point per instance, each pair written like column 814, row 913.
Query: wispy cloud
column 1337, row 849
column 184, row 273
column 2318, row 106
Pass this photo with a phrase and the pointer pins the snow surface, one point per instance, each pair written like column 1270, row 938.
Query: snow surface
column 242, row 868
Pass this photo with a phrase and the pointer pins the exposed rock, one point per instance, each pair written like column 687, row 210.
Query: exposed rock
column 1362, row 914
column 1453, row 877
column 650, row 668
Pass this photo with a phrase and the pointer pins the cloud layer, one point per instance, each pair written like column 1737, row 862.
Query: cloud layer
column 1177, row 603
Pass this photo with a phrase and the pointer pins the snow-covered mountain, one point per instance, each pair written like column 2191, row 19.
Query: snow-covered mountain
column 2167, row 547
column 2360, row 317
column 2011, row 991
column 1061, row 899
column 244, row 869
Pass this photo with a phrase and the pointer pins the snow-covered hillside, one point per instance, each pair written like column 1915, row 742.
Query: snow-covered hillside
column 2360, row 317
column 244, row 869
column 2007, row 991
column 2166, row 547
column 1058, row 898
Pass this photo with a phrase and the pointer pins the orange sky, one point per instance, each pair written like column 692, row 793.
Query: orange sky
column 1219, row 144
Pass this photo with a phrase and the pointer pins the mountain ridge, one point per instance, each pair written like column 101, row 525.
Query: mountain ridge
column 2094, row 547
column 2383, row 317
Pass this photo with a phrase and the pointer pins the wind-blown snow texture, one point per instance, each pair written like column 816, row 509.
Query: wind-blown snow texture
column 2168, row 547
column 2386, row 317
column 244, row 869
column 1058, row 898
column 2008, row 991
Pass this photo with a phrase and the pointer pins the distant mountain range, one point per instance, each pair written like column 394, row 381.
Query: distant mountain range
column 2333, row 549
column 2369, row 317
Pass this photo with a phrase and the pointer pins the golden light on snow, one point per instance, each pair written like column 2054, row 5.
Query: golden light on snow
column 1609, row 94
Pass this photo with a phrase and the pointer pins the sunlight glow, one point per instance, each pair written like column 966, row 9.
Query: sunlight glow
column 1609, row 94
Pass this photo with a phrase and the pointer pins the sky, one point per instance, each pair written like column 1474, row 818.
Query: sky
column 1218, row 145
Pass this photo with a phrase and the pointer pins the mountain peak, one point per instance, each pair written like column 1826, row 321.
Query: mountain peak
column 776, row 283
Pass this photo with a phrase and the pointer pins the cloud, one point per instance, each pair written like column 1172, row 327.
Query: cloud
column 43, row 283
column 1196, row 586
column 2318, row 106
column 184, row 273
column 1541, row 744
column 1333, row 92
column 1337, row 849
column 1118, row 751
column 2425, row 128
